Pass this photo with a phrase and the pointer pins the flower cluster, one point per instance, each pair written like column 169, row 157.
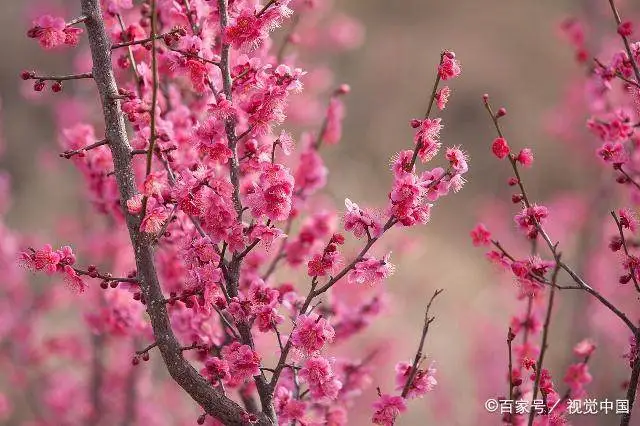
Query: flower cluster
column 219, row 203
column 54, row 261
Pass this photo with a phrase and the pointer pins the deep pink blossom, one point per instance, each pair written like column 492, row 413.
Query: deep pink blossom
column 577, row 377
column 628, row 219
column 271, row 196
column 525, row 157
column 248, row 30
column 242, row 360
column 442, row 97
column 450, row 67
column 154, row 220
column 422, row 383
column 480, row 235
column 387, row 408
column 625, row 29
column 427, row 137
column 371, row 270
column 311, row 174
column 317, row 372
column 53, row 32
column 500, row 148
column 457, row 160
column 216, row 370
column 311, row 333
column 530, row 217
column 584, row 348
column 359, row 221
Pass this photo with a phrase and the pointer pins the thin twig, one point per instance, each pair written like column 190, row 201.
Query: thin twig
column 630, row 179
column 132, row 60
column 510, row 337
column 545, row 336
column 147, row 349
column 432, row 98
column 625, row 40
column 553, row 247
column 106, row 277
column 154, row 98
column 425, row 329
column 264, row 9
column 152, row 38
column 33, row 76
column 632, row 269
column 71, row 153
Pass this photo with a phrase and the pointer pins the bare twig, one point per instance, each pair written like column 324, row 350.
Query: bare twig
column 425, row 329
column 545, row 336
column 633, row 387
column 71, row 153
column 510, row 337
column 151, row 39
column 34, row 76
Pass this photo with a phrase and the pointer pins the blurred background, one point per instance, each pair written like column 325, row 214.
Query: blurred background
column 509, row 49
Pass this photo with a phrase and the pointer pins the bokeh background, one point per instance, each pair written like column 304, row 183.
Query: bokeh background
column 509, row 49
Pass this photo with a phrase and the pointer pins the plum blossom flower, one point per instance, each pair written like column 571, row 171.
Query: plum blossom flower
column 500, row 148
column 613, row 152
column 529, row 272
column 134, row 204
column 458, row 160
column 525, row 157
column 427, row 137
column 243, row 361
column 628, row 219
column 584, row 348
column 53, row 32
column 450, row 67
column 73, row 281
column 54, row 261
column 271, row 195
column 45, row 259
column 360, row 222
column 311, row 333
column 311, row 174
column 371, row 270
column 317, row 372
column 216, row 370
column 442, row 97
column 408, row 193
column 480, row 235
column 387, row 408
column 400, row 164
column 530, row 217
column 288, row 409
column 423, row 380
column 577, row 377
column 154, row 220
column 248, row 29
